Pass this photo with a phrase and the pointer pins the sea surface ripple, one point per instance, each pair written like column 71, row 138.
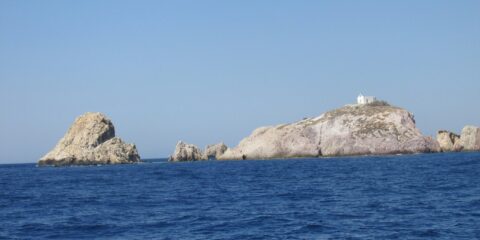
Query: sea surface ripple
column 426, row 196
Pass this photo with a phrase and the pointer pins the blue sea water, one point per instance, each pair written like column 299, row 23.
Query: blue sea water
column 427, row 196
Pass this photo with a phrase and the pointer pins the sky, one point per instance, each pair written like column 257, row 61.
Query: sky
column 211, row 71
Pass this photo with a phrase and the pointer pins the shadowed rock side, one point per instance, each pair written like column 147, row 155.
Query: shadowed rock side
column 91, row 140
column 469, row 139
column 214, row 151
column 350, row 130
column 447, row 140
column 186, row 152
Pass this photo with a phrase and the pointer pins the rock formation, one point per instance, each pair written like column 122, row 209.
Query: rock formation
column 469, row 139
column 186, row 152
column 91, row 140
column 215, row 150
column 350, row 130
column 447, row 140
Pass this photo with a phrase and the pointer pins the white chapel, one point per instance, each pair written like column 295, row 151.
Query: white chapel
column 365, row 99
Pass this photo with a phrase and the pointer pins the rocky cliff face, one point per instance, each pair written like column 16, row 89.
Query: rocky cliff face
column 447, row 140
column 215, row 150
column 350, row 130
column 186, row 152
column 91, row 140
column 469, row 139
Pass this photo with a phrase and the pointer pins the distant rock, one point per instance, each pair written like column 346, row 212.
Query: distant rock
column 215, row 150
column 469, row 139
column 91, row 140
column 186, row 152
column 370, row 129
column 447, row 140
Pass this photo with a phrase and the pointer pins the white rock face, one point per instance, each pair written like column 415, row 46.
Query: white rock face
column 91, row 140
column 469, row 139
column 447, row 140
column 186, row 152
column 215, row 150
column 351, row 130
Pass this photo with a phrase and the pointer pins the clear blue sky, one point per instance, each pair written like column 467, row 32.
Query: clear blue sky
column 207, row 71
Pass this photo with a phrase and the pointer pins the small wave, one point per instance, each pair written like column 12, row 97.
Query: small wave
column 418, row 197
column 427, row 233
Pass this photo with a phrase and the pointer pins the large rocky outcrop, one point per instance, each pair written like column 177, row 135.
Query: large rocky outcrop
column 350, row 130
column 91, row 140
column 215, row 150
column 447, row 140
column 469, row 139
column 186, row 152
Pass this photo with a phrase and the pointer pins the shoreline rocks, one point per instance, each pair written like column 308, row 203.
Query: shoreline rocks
column 350, row 130
column 90, row 140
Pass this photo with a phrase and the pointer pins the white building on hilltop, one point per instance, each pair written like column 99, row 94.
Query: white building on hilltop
column 365, row 99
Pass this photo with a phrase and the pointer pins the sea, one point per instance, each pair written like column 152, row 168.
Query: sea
column 424, row 196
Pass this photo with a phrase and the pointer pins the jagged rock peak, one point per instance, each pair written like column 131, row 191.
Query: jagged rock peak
column 90, row 140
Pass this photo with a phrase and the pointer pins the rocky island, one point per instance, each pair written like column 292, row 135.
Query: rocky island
column 90, row 141
column 214, row 151
column 186, row 152
column 468, row 140
column 447, row 140
column 369, row 128
column 189, row 152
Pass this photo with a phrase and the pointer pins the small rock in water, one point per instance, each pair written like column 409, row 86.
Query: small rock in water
column 215, row 150
column 186, row 152
column 447, row 140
